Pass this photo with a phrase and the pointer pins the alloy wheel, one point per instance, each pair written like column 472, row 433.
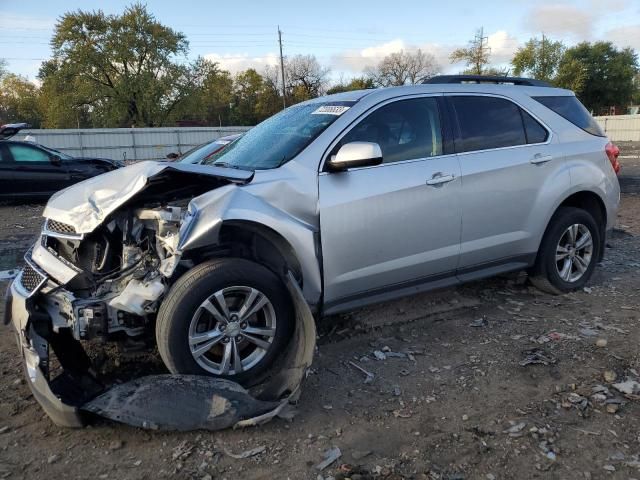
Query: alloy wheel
column 574, row 252
column 232, row 330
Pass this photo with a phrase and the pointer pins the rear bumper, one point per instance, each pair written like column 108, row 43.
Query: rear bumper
column 34, row 350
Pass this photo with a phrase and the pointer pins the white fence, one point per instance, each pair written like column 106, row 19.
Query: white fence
column 134, row 144
column 621, row 128
column 129, row 144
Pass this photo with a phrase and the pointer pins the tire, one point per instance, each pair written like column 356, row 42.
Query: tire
column 183, row 323
column 551, row 276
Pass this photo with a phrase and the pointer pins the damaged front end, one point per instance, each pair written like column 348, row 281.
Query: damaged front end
column 107, row 255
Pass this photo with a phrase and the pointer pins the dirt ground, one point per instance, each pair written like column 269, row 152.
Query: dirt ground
column 451, row 398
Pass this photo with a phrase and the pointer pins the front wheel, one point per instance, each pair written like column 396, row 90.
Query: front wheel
column 568, row 253
column 227, row 317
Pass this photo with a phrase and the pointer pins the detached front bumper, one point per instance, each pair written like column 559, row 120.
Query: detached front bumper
column 149, row 402
column 34, row 350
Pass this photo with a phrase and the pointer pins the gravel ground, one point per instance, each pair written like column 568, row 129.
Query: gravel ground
column 458, row 403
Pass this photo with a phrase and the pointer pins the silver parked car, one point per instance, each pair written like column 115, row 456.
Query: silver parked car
column 363, row 196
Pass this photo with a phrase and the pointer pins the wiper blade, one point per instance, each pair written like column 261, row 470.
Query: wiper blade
column 225, row 165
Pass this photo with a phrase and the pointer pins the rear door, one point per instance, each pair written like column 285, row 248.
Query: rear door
column 396, row 225
column 34, row 173
column 507, row 159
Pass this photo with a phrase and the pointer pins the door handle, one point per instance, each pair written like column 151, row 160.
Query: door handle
column 440, row 178
column 538, row 158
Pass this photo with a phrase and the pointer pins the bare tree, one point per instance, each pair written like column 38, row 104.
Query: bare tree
column 403, row 68
column 476, row 55
column 305, row 77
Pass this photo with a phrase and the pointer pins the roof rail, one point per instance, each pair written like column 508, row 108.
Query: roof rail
column 529, row 82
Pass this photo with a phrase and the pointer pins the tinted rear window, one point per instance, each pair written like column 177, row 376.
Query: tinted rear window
column 488, row 122
column 571, row 109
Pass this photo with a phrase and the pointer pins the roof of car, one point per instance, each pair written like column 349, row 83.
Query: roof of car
column 497, row 89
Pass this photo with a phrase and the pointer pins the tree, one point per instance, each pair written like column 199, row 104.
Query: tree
column 207, row 101
column 19, row 100
column 600, row 74
column 476, row 55
column 358, row 83
column 125, row 69
column 3, row 67
column 305, row 78
column 403, row 68
column 539, row 59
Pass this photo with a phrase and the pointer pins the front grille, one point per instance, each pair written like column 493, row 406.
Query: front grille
column 30, row 279
column 59, row 227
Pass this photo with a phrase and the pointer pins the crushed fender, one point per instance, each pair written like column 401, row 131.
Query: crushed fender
column 212, row 403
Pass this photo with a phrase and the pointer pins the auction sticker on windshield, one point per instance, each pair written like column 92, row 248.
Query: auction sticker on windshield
column 330, row 110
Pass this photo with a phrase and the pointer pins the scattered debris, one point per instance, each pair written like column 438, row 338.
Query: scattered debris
column 610, row 376
column 537, row 356
column 379, row 355
column 183, row 451
column 628, row 387
column 516, row 430
column 370, row 376
column 247, row 453
column 601, row 342
column 330, row 456
column 480, row 322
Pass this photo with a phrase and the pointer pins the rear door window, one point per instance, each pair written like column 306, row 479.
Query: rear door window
column 571, row 109
column 488, row 122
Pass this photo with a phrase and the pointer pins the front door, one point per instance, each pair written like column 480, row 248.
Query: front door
column 395, row 225
column 34, row 172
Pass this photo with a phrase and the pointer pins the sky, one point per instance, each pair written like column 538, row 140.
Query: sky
column 344, row 35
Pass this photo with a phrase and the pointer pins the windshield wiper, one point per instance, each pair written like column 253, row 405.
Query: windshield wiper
column 225, row 165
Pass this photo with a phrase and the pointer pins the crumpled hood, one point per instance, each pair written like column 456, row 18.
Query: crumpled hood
column 85, row 205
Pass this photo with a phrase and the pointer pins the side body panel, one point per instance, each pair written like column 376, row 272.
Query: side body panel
column 384, row 226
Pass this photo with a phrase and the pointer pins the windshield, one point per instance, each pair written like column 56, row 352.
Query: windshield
column 280, row 138
column 63, row 156
column 199, row 153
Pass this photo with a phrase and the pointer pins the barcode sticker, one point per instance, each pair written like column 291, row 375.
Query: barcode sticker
column 330, row 110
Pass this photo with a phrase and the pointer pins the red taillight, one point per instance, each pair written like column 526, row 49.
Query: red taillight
column 612, row 152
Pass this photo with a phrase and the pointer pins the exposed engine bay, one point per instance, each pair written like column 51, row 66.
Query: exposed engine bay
column 122, row 268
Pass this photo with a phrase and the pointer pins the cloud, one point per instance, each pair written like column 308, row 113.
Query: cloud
column 356, row 60
column 237, row 62
column 12, row 21
column 626, row 36
column 561, row 19
column 503, row 46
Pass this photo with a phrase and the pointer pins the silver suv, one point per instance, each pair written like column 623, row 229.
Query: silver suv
column 362, row 196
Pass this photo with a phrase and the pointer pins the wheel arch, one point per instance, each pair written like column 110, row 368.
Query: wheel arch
column 592, row 203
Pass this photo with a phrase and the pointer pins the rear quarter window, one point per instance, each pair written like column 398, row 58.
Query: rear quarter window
column 570, row 108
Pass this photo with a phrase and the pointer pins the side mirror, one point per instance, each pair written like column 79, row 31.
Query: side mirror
column 355, row 154
column 55, row 160
column 172, row 156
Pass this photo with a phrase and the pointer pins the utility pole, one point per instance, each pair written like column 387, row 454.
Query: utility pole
column 543, row 67
column 284, row 99
column 482, row 50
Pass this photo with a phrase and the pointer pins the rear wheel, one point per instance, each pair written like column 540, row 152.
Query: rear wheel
column 568, row 253
column 227, row 318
